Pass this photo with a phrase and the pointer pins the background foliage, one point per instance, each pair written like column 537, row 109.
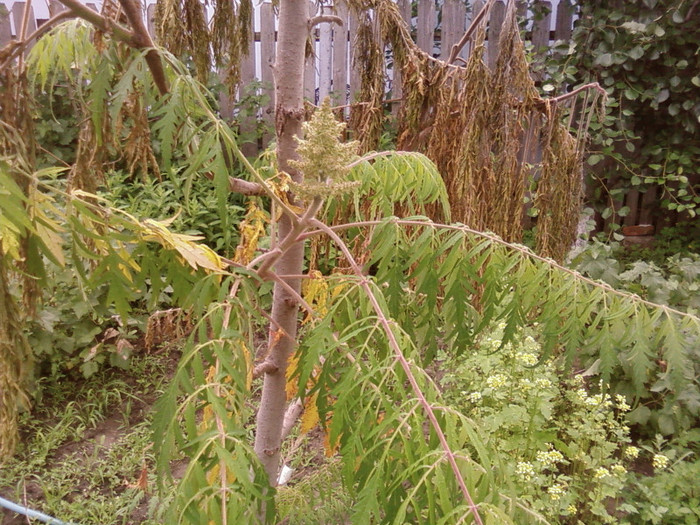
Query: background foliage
column 644, row 53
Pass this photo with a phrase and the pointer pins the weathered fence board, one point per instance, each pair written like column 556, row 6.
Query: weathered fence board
column 267, row 54
column 5, row 28
column 339, row 75
column 425, row 25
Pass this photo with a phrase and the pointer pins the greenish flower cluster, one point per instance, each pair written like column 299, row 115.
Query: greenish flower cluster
column 562, row 442
column 323, row 158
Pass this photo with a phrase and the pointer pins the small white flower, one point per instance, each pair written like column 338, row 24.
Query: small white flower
column 497, row 381
column 631, row 452
column 660, row 461
column 525, row 470
column 618, row 469
column 527, row 359
column 474, row 397
column 621, row 403
column 601, row 473
column 543, row 382
column 555, row 491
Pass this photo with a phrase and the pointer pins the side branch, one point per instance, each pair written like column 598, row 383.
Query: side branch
column 108, row 26
column 244, row 187
column 571, row 94
column 478, row 19
column 327, row 19
column 142, row 39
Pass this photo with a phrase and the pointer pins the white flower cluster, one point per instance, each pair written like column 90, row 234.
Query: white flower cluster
column 525, row 470
column 527, row 358
column 549, row 458
column 543, row 382
column 618, row 470
column 660, row 461
column 621, row 402
column 474, row 397
column 631, row 452
column 556, row 491
column 601, row 472
column 497, row 381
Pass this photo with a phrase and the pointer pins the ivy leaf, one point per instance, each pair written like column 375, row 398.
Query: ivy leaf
column 663, row 96
column 605, row 60
column 634, row 27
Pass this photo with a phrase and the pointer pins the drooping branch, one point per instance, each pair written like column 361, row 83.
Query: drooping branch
column 571, row 94
column 138, row 38
column 524, row 250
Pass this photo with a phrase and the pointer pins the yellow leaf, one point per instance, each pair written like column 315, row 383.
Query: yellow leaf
column 310, row 417
column 291, row 386
column 251, row 228
column 53, row 242
column 9, row 240
column 315, row 293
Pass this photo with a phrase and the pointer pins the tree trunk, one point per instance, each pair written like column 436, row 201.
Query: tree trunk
column 289, row 115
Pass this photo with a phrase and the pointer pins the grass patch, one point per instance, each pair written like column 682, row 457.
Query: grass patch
column 86, row 453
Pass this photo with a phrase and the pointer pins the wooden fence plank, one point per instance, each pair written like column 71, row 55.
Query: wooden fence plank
column 649, row 199
column 339, row 76
column 425, row 32
column 454, row 20
column 310, row 66
column 396, row 80
column 632, row 202
column 17, row 15
column 325, row 57
column 56, row 7
column 151, row 20
column 5, row 28
column 541, row 27
column 498, row 15
column 563, row 27
column 476, row 7
column 248, row 122
column 355, row 78
column 267, row 52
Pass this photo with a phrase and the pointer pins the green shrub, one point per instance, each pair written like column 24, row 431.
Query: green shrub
column 193, row 206
column 563, row 443
column 669, row 497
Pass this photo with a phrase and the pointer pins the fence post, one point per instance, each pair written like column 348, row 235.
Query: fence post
column 267, row 51
column 17, row 15
column 498, row 15
column 454, row 18
column 425, row 30
column 339, row 80
column 5, row 29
